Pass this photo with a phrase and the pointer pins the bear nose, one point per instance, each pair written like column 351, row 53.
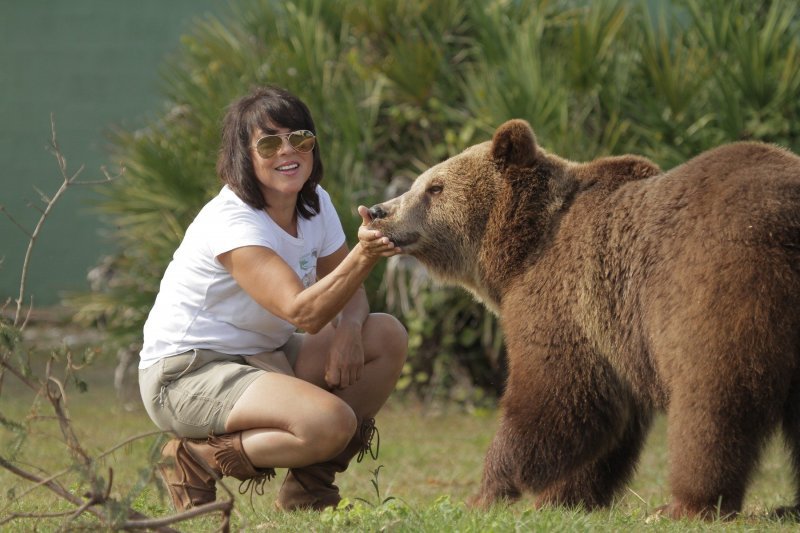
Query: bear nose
column 376, row 212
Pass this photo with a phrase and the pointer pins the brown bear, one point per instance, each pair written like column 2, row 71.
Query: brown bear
column 623, row 290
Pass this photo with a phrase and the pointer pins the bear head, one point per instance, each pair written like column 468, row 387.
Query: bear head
column 474, row 219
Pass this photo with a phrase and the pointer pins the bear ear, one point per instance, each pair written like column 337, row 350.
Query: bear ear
column 514, row 144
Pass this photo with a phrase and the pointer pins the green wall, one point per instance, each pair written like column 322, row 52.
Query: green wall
column 95, row 65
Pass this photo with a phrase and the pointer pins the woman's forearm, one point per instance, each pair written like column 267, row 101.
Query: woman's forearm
column 318, row 304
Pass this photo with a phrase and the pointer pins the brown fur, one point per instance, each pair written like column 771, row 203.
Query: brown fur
column 622, row 291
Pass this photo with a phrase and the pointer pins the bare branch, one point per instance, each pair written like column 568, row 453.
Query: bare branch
column 19, row 375
column 107, row 494
column 14, row 221
column 72, row 367
column 50, row 203
column 97, row 501
column 53, row 477
column 43, row 481
column 57, row 399
column 82, row 509
column 29, row 252
column 49, row 483
column 27, row 315
column 130, row 440
column 109, row 178
column 75, row 500
column 74, row 177
column 14, row 516
column 225, row 506
column 35, row 206
column 42, row 196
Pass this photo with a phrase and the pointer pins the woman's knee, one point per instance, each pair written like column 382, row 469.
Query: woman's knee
column 331, row 429
column 390, row 337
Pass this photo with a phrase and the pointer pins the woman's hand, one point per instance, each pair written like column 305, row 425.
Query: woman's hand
column 346, row 355
column 373, row 242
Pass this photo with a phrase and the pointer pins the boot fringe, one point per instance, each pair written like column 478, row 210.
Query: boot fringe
column 369, row 435
column 233, row 461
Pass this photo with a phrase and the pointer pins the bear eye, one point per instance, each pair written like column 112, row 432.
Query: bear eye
column 435, row 189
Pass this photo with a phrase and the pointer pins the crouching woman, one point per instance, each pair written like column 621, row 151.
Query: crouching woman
column 223, row 365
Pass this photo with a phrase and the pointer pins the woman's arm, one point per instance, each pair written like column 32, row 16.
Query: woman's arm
column 357, row 308
column 344, row 361
column 266, row 277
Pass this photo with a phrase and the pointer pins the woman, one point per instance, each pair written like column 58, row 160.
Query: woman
column 223, row 366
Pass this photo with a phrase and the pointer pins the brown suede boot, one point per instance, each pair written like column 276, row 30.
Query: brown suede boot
column 191, row 468
column 311, row 487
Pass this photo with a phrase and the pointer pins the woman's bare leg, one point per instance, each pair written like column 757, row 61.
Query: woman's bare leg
column 288, row 422
column 385, row 344
column 295, row 421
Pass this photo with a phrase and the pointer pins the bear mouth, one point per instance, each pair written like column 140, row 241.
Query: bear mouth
column 405, row 242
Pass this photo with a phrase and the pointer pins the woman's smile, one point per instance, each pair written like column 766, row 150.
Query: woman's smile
column 288, row 167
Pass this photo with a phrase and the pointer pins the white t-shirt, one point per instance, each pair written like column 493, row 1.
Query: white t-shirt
column 200, row 305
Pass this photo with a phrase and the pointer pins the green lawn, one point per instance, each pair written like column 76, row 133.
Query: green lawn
column 431, row 462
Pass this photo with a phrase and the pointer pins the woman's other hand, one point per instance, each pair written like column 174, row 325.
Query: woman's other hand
column 346, row 356
column 373, row 242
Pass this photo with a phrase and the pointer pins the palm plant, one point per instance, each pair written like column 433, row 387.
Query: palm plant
column 756, row 77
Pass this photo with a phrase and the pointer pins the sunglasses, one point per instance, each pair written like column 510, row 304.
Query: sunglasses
column 301, row 140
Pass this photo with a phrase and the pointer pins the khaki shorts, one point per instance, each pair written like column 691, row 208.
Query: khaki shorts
column 192, row 394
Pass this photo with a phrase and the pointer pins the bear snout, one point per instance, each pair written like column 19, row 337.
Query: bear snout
column 377, row 211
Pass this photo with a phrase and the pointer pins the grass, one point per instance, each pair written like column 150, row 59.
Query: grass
column 430, row 463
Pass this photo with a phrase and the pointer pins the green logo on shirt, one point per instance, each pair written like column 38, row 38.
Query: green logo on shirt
column 308, row 261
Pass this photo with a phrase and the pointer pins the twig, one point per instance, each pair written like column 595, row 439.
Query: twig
column 15, row 221
column 43, row 481
column 53, row 477
column 107, row 493
column 60, row 408
column 8, row 366
column 42, row 196
column 82, row 509
column 34, row 236
column 49, row 483
column 35, row 206
column 27, row 315
column 105, row 172
column 14, row 516
column 37, row 229
column 136, row 521
column 225, row 506
column 75, row 500
column 130, row 440
column 50, row 203
column 72, row 367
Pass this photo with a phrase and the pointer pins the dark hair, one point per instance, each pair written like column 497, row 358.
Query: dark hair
column 265, row 108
